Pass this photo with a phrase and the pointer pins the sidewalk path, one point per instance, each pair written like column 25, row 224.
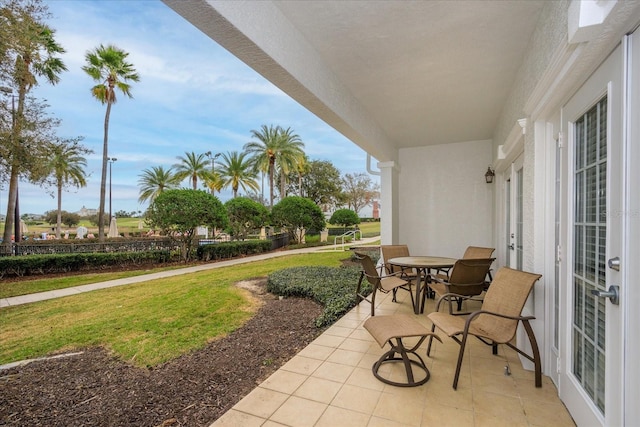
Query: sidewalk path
column 58, row 293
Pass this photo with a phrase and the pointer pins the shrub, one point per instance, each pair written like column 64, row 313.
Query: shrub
column 179, row 212
column 245, row 215
column 41, row 264
column 344, row 217
column 295, row 212
column 333, row 288
column 232, row 249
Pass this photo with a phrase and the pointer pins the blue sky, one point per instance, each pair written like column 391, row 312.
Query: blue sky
column 193, row 96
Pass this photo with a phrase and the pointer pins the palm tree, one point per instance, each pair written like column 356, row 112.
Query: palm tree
column 31, row 50
column 275, row 146
column 303, row 167
column 238, row 172
column 192, row 166
column 108, row 66
column 67, row 167
column 214, row 182
column 154, row 181
column 264, row 152
column 290, row 151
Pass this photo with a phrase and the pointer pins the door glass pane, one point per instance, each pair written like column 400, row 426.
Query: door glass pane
column 589, row 244
column 508, row 222
column 519, row 220
column 556, row 282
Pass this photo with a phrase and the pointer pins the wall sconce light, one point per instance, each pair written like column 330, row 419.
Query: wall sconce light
column 489, row 175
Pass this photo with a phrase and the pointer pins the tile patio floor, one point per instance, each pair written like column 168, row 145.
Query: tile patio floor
column 329, row 383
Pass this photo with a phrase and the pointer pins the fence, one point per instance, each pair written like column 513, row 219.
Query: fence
column 141, row 245
column 278, row 240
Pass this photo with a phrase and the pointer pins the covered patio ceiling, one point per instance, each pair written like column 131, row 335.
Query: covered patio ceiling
column 386, row 74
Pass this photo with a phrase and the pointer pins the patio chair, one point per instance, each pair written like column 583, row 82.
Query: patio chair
column 472, row 252
column 388, row 283
column 467, row 278
column 395, row 251
column 496, row 321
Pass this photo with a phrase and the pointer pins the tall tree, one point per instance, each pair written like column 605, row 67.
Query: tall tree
column 28, row 51
column 275, row 148
column 264, row 151
column 302, row 168
column 359, row 190
column 321, row 182
column 290, row 153
column 192, row 166
column 214, row 182
column 67, row 164
column 237, row 172
column 154, row 181
column 108, row 66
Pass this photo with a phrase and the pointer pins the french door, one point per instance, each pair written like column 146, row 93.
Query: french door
column 591, row 332
column 514, row 216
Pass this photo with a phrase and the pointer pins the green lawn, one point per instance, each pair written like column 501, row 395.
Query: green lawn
column 34, row 285
column 147, row 323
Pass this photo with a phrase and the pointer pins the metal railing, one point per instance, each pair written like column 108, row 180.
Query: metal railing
column 342, row 237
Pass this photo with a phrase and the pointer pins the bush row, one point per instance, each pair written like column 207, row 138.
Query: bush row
column 54, row 263
column 226, row 250
column 333, row 288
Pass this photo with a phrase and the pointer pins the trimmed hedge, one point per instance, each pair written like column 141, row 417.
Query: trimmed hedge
column 333, row 288
column 54, row 263
column 227, row 250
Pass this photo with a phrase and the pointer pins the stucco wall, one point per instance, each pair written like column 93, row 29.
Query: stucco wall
column 445, row 204
column 550, row 34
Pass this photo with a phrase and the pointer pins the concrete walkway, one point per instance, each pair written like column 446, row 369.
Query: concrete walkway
column 58, row 293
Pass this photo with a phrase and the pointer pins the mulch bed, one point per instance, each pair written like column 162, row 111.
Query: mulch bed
column 97, row 389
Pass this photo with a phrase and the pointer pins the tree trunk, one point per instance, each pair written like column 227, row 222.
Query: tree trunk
column 283, row 185
column 103, row 181
column 12, row 199
column 9, row 223
column 271, row 167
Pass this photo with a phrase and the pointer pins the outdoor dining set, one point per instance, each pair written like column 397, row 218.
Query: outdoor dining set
column 452, row 282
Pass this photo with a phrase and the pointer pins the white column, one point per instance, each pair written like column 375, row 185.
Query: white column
column 389, row 211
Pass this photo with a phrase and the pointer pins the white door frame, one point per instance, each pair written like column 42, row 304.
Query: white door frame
column 631, row 294
column 607, row 80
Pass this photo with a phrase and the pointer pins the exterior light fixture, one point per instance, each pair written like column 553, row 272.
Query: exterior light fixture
column 489, row 175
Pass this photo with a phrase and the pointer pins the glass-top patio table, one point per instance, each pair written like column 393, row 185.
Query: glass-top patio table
column 423, row 266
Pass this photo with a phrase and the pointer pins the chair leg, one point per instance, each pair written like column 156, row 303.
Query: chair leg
column 373, row 302
column 463, row 343
column 413, row 303
column 395, row 291
column 359, row 288
column 536, row 353
column 433, row 329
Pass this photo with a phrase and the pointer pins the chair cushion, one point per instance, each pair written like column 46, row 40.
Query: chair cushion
column 439, row 288
column 389, row 283
column 454, row 325
column 383, row 328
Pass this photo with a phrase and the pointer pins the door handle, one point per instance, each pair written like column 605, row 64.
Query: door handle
column 613, row 293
